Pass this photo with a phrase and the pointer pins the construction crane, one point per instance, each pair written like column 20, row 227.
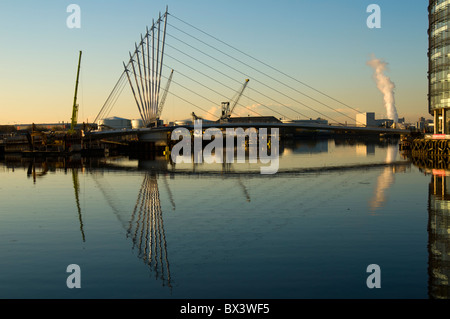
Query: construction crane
column 75, row 105
column 227, row 110
column 163, row 98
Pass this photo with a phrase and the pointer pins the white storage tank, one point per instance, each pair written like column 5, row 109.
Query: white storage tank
column 137, row 123
column 114, row 123
column 183, row 122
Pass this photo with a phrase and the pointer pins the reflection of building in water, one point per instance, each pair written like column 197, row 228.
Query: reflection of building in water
column 312, row 146
column 365, row 149
column 439, row 237
column 32, row 170
column 146, row 229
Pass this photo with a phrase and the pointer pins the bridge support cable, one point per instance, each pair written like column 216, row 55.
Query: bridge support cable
column 144, row 99
column 141, row 106
column 262, row 83
column 153, row 66
column 185, row 100
column 160, row 63
column 219, row 93
column 145, row 87
column 266, row 65
column 221, row 83
column 112, row 98
column 235, row 80
column 204, row 85
column 146, row 68
column 265, row 74
column 134, row 93
column 144, row 72
column 149, row 83
column 211, row 101
column 215, row 80
column 209, row 88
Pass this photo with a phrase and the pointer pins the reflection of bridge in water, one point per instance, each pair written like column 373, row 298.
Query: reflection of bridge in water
column 144, row 223
column 146, row 228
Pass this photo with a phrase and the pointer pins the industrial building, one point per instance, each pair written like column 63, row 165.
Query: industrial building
column 253, row 119
column 365, row 119
column 368, row 120
column 438, row 65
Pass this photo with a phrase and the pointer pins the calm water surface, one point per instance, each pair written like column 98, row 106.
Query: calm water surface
column 147, row 229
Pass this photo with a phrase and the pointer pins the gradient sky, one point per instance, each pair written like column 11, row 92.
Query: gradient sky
column 325, row 44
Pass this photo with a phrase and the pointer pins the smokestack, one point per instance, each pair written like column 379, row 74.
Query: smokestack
column 386, row 86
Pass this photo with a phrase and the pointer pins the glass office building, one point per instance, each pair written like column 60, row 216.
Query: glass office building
column 439, row 237
column 439, row 64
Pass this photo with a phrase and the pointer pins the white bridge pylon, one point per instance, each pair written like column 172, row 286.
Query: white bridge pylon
column 144, row 71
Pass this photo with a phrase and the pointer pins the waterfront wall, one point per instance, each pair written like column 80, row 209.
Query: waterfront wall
column 421, row 147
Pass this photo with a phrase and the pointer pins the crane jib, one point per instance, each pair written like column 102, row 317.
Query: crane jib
column 75, row 105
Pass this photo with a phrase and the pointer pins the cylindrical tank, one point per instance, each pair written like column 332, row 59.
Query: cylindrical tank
column 137, row 123
column 183, row 122
column 114, row 123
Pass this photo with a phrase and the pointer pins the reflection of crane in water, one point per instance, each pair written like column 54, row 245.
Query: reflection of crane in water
column 244, row 189
column 147, row 229
column 76, row 188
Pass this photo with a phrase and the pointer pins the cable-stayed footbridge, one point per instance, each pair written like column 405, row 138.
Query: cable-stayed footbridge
column 198, row 70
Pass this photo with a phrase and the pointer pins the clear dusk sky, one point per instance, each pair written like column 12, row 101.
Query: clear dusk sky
column 323, row 43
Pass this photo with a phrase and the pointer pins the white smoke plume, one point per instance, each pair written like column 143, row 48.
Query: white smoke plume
column 385, row 180
column 386, row 86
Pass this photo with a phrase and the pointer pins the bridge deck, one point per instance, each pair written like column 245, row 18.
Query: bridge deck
column 324, row 127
